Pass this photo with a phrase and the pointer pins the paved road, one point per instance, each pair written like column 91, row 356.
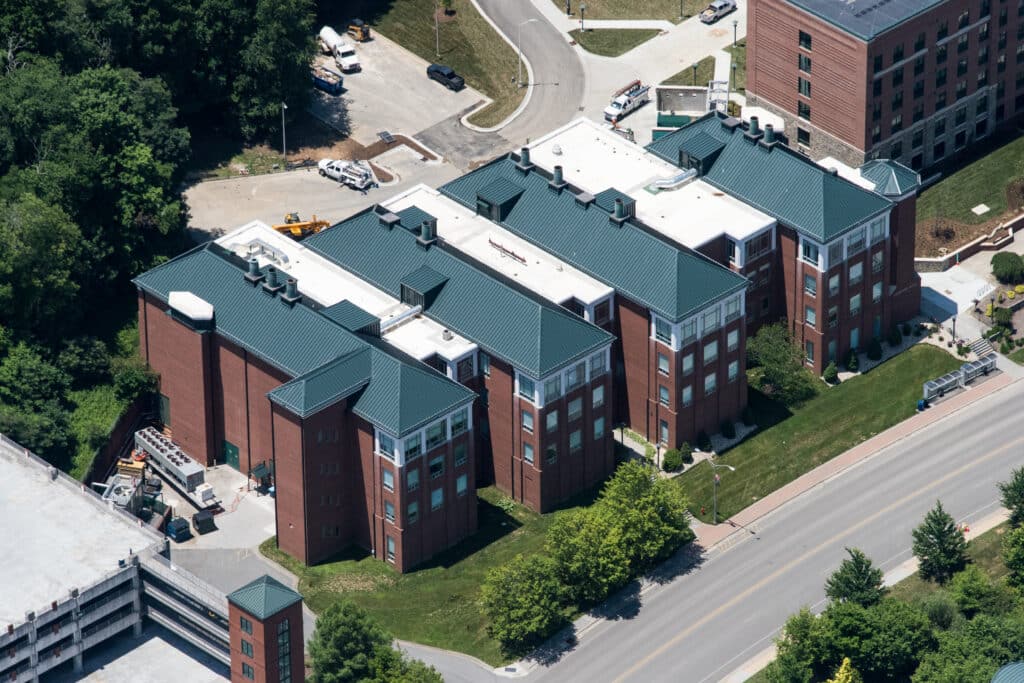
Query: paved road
column 705, row 624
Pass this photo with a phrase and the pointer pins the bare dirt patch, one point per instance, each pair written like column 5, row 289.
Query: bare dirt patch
column 346, row 583
column 937, row 237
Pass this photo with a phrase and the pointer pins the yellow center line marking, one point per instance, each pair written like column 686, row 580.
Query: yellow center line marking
column 735, row 600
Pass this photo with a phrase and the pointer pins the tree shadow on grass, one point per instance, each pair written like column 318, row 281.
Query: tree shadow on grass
column 768, row 411
column 493, row 523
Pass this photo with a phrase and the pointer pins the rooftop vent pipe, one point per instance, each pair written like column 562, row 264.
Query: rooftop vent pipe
column 253, row 274
column 428, row 232
column 755, row 127
column 769, row 134
column 619, row 212
column 557, row 180
column 272, row 286
column 524, row 158
column 291, row 292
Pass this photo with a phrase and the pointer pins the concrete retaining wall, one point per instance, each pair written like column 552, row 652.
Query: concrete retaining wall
column 1000, row 236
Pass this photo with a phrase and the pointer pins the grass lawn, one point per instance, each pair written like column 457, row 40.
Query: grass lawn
column 468, row 44
column 982, row 182
column 96, row 411
column 635, row 9
column 853, row 412
column 1017, row 356
column 612, row 42
column 705, row 72
column 438, row 603
column 739, row 58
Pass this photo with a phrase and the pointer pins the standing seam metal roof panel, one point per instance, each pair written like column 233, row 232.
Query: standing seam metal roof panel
column 264, row 597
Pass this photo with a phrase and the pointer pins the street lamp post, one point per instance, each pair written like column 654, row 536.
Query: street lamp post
column 680, row 10
column 992, row 309
column 954, row 329
column 519, row 47
column 735, row 23
column 714, row 468
column 284, row 147
column 583, row 9
column 694, row 79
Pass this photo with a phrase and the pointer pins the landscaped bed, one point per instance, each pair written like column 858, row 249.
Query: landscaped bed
column 612, row 42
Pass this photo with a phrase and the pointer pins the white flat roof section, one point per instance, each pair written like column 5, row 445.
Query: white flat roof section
column 328, row 283
column 502, row 250
column 848, row 172
column 691, row 214
column 54, row 536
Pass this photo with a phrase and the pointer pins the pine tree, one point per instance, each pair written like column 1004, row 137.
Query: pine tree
column 1013, row 496
column 857, row 580
column 939, row 545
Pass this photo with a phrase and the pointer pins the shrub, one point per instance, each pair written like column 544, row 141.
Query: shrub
column 940, row 609
column 961, row 350
column 1010, row 294
column 728, row 429
column 852, row 362
column 1019, row 341
column 1001, row 298
column 523, row 600
column 1003, row 317
column 1004, row 348
column 1019, row 289
column 875, row 349
column 704, row 442
column 133, row 378
column 748, row 416
column 831, row 374
column 895, row 336
column 1008, row 267
column 686, row 453
column 672, row 460
column 988, row 311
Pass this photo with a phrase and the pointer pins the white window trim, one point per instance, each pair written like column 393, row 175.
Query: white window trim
column 846, row 239
column 452, row 365
column 563, row 375
column 698, row 319
column 741, row 246
column 399, row 454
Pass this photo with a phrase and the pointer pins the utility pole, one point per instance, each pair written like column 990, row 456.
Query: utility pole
column 284, row 146
column 734, row 24
column 583, row 9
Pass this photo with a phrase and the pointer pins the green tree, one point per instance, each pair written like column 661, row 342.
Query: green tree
column 974, row 650
column 590, row 555
column 133, row 378
column 44, row 430
column 856, row 580
column 650, row 511
column 1012, row 496
column 782, row 364
column 86, row 360
column 845, row 673
column 390, row 666
column 344, row 644
column 523, row 601
column 1008, row 267
column 974, row 592
column 29, row 380
column 795, row 650
column 1013, row 556
column 939, row 545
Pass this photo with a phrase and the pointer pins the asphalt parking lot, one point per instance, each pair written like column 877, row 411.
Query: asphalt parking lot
column 392, row 92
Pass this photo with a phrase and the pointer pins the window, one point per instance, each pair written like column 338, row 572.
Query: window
column 897, row 123
column 551, row 421
column 734, row 370
column 388, row 480
column 940, row 127
column 710, row 351
column 963, row 19
column 759, row 246
column 940, row 77
column 461, row 485
column 855, row 304
column 662, row 363
column 810, row 284
column 803, row 136
column 803, row 110
column 939, row 150
column 918, row 114
column 437, row 467
column 437, row 495
column 856, row 273
column 245, row 625
column 663, row 433
column 575, row 409
column 805, row 40
column 575, row 440
column 732, row 309
column 526, row 387
column 597, row 397
column 391, row 549
column 835, row 253
column 662, row 331
column 688, row 364
column 876, row 87
column 897, row 77
column 663, row 394
column 710, row 383
column 528, row 421
column 896, row 151
column 528, row 453
column 576, row 376
column 552, row 388
column 710, row 320
column 897, row 100
column 810, row 316
column 246, row 648
column 485, row 364
column 810, row 253
column 919, row 66
column 809, row 351
column 730, row 249
column 961, row 115
column 389, row 511
column 940, row 54
column 897, row 53
column 413, row 447
column 803, row 62
column 732, row 340
column 833, row 316
column 437, row 434
column 877, row 63
column 247, row 671
column 687, row 395
column 876, row 292
column 385, row 445
column 597, row 365
column 412, row 512
column 551, row 454
column 961, row 67
column 689, row 329
column 983, row 55
column 919, row 42
column 460, row 454
column 917, row 139
column 464, row 369
column 833, row 285
column 599, row 428
column 460, row 422
column 940, row 100
column 918, row 89
column 876, row 262
column 803, row 86
column 961, row 89
column 412, row 480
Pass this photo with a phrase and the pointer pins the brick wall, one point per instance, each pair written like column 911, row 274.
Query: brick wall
column 264, row 643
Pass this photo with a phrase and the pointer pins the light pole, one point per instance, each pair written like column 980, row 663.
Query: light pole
column 583, row 9
column 992, row 310
column 694, row 79
column 954, row 329
column 284, row 146
column 714, row 468
column 735, row 23
column 519, row 47
column 680, row 10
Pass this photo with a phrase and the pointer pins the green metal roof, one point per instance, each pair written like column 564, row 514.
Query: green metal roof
column 1011, row 673
column 891, row 178
column 702, row 145
column 776, row 180
column 264, row 597
column 413, row 217
column 423, row 280
column 499, row 191
column 533, row 336
column 328, row 363
column 672, row 280
column 350, row 316
column 606, row 198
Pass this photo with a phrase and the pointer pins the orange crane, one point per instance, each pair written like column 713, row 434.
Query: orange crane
column 299, row 229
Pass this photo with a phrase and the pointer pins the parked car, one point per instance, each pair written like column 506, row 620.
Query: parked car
column 446, row 76
column 716, row 10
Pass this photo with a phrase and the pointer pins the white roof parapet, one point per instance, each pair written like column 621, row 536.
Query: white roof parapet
column 190, row 306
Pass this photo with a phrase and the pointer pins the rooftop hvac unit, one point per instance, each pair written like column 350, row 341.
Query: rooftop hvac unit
column 171, row 458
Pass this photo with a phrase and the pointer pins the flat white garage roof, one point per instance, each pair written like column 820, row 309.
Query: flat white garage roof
column 595, row 159
column 55, row 536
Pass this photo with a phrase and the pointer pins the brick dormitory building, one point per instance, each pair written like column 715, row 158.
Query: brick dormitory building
column 909, row 80
column 495, row 329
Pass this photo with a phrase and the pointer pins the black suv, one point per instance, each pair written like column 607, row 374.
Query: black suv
column 445, row 76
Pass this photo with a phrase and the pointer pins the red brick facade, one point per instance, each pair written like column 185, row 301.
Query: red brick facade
column 260, row 652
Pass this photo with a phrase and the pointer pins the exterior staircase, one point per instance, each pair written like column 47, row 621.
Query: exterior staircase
column 981, row 347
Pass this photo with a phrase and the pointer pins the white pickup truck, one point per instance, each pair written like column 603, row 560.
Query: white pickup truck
column 716, row 10
column 633, row 96
column 351, row 173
